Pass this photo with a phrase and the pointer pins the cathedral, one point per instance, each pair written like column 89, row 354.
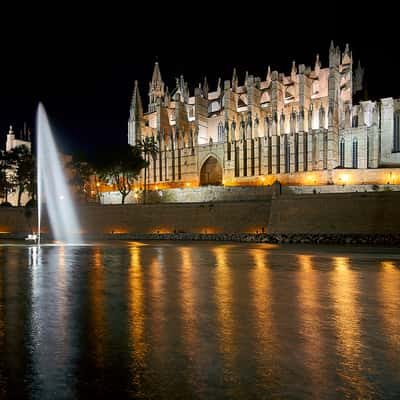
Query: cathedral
column 302, row 128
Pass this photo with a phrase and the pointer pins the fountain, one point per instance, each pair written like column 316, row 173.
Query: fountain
column 52, row 188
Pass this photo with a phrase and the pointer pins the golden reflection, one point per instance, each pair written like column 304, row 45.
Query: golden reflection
column 2, row 313
column 157, row 297
column 389, row 292
column 98, row 314
column 308, row 303
column 187, row 285
column 345, row 289
column 137, row 305
column 62, row 289
column 224, row 301
column 261, row 282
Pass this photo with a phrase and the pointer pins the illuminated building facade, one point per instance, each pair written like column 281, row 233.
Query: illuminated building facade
column 271, row 128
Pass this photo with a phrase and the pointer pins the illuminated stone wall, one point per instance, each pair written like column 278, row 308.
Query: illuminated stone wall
column 346, row 180
column 336, row 213
column 313, row 213
column 198, row 218
column 194, row 195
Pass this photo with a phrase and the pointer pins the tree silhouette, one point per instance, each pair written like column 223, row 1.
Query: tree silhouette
column 149, row 148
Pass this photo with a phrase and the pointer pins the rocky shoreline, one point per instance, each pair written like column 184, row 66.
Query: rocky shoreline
column 373, row 239
column 277, row 238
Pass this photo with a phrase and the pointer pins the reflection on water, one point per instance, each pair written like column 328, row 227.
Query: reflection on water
column 136, row 311
column 97, row 303
column 309, row 311
column 388, row 292
column 187, row 301
column 347, row 315
column 198, row 320
column 223, row 301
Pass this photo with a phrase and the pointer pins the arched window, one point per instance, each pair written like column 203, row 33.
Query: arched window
column 314, row 151
column 305, row 150
column 355, row 153
column 287, row 155
column 396, row 132
column 220, row 132
column 296, row 152
column 266, row 126
column 341, row 153
column 233, row 133
column 315, row 87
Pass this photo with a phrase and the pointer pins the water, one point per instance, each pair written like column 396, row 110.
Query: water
column 165, row 320
column 52, row 186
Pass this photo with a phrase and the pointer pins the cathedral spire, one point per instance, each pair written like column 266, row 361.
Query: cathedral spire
column 135, row 117
column 136, row 111
column 156, row 91
column 205, row 88
column 167, row 97
column 234, row 80
column 317, row 65
column 156, row 74
column 293, row 72
column 346, row 57
column 268, row 79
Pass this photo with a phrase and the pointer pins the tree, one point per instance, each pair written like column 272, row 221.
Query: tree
column 20, row 160
column 150, row 149
column 5, row 182
column 82, row 171
column 120, row 167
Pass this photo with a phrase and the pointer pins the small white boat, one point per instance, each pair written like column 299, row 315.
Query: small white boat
column 32, row 236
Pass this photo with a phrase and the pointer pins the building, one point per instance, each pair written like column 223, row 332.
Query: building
column 23, row 140
column 13, row 141
column 304, row 128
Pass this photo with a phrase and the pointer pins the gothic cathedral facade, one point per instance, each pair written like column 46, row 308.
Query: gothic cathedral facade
column 270, row 129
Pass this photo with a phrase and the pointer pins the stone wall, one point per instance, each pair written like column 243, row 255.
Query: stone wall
column 253, row 188
column 364, row 213
column 339, row 189
column 165, row 218
column 228, row 217
column 16, row 220
column 341, row 213
column 194, row 195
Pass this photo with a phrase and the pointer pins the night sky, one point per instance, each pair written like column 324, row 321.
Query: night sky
column 83, row 71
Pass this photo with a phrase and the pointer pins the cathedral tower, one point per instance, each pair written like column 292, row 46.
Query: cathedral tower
column 135, row 123
column 156, row 92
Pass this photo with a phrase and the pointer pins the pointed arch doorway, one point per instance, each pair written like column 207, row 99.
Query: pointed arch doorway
column 211, row 172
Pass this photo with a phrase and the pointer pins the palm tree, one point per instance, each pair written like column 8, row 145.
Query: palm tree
column 150, row 149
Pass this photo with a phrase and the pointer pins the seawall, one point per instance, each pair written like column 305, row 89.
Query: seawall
column 323, row 214
column 347, row 213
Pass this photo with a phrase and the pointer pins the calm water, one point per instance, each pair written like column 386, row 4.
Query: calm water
column 199, row 320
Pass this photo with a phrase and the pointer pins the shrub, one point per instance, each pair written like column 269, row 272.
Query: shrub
column 31, row 203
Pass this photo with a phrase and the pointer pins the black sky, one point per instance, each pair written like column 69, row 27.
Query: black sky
column 83, row 69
